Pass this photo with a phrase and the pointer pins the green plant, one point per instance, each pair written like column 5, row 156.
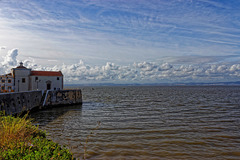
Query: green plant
column 20, row 139
column 15, row 132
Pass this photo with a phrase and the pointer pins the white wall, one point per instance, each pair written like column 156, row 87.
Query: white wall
column 41, row 83
column 20, row 74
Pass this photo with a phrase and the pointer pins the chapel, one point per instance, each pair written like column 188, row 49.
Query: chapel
column 25, row 79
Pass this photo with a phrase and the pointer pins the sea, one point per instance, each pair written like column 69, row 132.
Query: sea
column 148, row 123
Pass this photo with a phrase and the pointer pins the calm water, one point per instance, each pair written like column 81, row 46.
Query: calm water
column 149, row 123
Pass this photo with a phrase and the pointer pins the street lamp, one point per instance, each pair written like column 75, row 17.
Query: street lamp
column 37, row 83
column 18, row 85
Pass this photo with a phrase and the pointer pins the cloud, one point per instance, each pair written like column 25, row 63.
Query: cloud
column 153, row 72
column 9, row 61
column 11, row 58
column 143, row 30
column 200, row 38
column 142, row 72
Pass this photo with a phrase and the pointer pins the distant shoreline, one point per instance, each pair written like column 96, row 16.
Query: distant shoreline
column 237, row 83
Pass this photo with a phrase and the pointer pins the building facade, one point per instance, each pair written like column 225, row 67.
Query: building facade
column 6, row 83
column 24, row 79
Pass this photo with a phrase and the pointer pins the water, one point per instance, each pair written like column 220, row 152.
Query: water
column 147, row 123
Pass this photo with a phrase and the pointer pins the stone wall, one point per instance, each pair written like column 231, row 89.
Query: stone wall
column 14, row 103
column 62, row 97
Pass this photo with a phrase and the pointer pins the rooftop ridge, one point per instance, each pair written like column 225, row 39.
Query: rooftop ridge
column 46, row 73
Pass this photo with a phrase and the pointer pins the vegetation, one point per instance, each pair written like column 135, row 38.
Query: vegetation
column 20, row 139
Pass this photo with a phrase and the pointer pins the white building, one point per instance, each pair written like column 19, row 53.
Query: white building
column 24, row 79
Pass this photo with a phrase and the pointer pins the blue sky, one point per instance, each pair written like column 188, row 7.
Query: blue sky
column 124, row 41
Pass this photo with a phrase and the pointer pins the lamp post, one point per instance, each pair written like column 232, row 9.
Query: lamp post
column 37, row 83
column 18, row 85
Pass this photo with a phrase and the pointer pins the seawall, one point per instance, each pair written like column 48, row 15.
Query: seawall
column 14, row 103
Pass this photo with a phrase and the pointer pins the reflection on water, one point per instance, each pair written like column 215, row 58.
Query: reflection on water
column 150, row 123
column 43, row 117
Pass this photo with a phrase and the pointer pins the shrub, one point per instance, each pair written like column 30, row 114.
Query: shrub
column 20, row 139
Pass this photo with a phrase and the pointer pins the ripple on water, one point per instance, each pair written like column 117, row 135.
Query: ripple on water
column 149, row 123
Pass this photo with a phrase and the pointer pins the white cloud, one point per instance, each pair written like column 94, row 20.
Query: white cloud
column 142, row 72
column 165, row 66
column 119, row 31
column 11, row 58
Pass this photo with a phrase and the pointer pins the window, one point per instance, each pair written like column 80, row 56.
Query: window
column 9, row 87
column 3, row 87
column 3, row 80
column 23, row 80
column 9, row 81
column 57, row 78
column 36, row 78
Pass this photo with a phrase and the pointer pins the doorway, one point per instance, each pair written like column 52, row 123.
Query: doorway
column 48, row 86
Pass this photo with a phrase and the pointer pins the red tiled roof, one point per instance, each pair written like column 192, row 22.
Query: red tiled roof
column 46, row 73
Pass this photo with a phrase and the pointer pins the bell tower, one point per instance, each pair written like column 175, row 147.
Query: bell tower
column 21, row 78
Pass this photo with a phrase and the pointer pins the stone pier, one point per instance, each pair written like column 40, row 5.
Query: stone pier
column 15, row 103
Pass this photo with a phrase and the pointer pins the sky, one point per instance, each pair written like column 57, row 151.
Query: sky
column 123, row 41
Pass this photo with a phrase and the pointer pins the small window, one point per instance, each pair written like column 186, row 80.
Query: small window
column 9, row 87
column 9, row 81
column 3, row 80
column 57, row 78
column 23, row 80
column 36, row 78
column 3, row 87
